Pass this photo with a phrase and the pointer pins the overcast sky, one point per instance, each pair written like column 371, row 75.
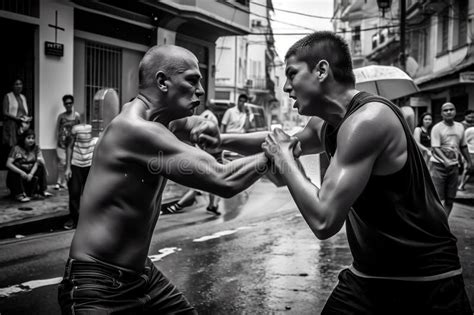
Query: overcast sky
column 312, row 7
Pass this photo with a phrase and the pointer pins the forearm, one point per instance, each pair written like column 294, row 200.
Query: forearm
column 11, row 116
column 306, row 196
column 241, row 173
column 68, row 156
column 422, row 147
column 34, row 169
column 439, row 153
column 12, row 167
column 245, row 144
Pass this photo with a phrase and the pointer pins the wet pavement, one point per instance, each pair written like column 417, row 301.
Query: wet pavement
column 276, row 265
column 258, row 257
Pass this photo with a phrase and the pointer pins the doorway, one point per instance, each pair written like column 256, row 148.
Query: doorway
column 17, row 63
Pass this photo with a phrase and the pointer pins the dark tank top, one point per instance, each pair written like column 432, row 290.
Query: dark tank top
column 425, row 138
column 397, row 227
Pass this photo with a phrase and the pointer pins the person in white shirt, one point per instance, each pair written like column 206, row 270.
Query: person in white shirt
column 466, row 174
column 78, row 163
column 236, row 119
column 447, row 141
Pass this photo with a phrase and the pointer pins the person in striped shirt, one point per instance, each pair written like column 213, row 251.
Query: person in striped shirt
column 78, row 163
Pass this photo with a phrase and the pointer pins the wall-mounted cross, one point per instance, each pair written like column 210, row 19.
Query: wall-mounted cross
column 56, row 28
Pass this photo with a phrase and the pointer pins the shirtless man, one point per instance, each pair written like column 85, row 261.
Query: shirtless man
column 108, row 269
column 405, row 257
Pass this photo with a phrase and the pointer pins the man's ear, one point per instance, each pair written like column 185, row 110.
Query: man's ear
column 322, row 70
column 160, row 79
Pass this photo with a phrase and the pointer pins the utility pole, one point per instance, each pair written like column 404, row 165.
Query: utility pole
column 402, row 34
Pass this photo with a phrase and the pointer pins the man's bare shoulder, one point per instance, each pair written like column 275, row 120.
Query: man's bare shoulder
column 374, row 115
column 127, row 134
column 372, row 125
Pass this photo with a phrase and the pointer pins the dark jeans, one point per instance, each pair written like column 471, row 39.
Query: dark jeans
column 445, row 180
column 357, row 295
column 18, row 185
column 75, row 186
column 100, row 288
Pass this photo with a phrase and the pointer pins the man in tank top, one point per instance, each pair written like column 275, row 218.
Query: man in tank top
column 405, row 257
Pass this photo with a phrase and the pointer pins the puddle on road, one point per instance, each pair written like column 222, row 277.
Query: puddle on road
column 274, row 266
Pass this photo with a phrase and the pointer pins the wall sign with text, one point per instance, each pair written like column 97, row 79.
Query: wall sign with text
column 53, row 49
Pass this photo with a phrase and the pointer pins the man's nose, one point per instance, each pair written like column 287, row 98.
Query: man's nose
column 200, row 90
column 287, row 87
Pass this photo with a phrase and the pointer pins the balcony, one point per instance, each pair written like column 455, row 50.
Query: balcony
column 203, row 17
column 256, row 83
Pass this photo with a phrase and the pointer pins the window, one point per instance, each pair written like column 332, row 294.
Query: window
column 375, row 40
column 103, row 70
column 25, row 7
column 419, row 44
column 356, row 44
column 443, row 31
column 222, row 95
column 460, row 23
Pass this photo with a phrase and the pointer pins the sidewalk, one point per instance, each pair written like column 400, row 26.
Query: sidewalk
column 18, row 218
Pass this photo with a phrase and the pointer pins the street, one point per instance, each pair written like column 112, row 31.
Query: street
column 259, row 257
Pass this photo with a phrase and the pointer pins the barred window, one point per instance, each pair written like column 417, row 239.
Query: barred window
column 103, row 70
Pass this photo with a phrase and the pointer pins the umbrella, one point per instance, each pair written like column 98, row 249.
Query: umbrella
column 387, row 81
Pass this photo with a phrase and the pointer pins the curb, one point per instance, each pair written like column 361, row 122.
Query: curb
column 46, row 222
column 43, row 223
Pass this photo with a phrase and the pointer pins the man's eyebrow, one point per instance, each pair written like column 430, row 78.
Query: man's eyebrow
column 194, row 75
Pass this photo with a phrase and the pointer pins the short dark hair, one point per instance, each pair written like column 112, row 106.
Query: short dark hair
column 243, row 96
column 328, row 46
column 468, row 111
column 68, row 97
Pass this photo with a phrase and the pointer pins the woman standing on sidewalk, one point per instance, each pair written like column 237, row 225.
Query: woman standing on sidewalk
column 26, row 175
column 66, row 120
column 422, row 135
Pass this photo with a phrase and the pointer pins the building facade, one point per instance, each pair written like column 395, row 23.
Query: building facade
column 79, row 47
column 250, row 65
column 438, row 47
column 440, row 43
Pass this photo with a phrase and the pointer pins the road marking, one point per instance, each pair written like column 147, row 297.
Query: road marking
column 164, row 252
column 28, row 286
column 34, row 284
column 219, row 234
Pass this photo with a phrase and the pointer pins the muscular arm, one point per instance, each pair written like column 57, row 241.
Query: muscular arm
column 195, row 129
column 361, row 140
column 165, row 155
column 251, row 143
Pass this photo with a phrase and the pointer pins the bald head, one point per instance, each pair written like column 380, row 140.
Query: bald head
column 447, row 105
column 169, row 59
